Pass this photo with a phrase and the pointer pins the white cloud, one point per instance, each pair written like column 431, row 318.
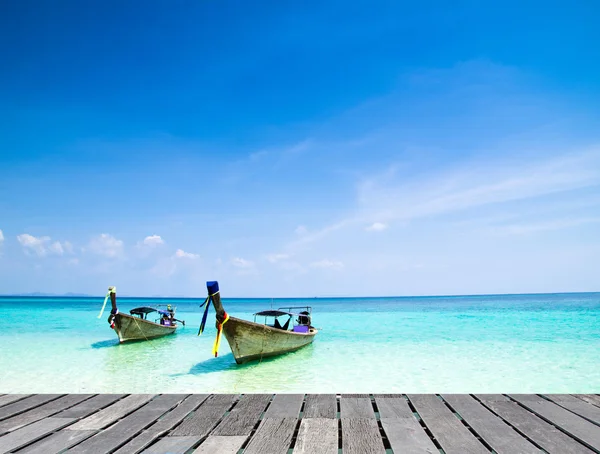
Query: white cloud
column 153, row 240
column 56, row 248
column 274, row 258
column 180, row 253
column 327, row 264
column 106, row 245
column 1, row 237
column 558, row 224
column 42, row 245
column 241, row 263
column 377, row 227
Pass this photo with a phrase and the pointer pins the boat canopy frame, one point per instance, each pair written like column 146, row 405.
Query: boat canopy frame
column 304, row 317
column 143, row 311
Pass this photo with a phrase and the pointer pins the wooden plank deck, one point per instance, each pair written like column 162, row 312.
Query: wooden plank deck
column 298, row 423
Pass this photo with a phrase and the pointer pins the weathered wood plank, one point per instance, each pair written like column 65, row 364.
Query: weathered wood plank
column 577, row 406
column 173, row 445
column 361, row 436
column 285, row 406
column 31, row 433
column 113, row 413
column 273, row 436
column 529, row 397
column 26, row 404
column 244, row 416
column 451, row 434
column 574, row 425
column 496, row 433
column 206, row 417
column 317, row 436
column 221, row 445
column 10, row 398
column 90, row 406
column 356, row 407
column 320, row 406
column 589, row 398
column 58, row 442
column 121, row 432
column 402, row 429
column 164, row 424
column 41, row 412
column 545, row 435
column 493, row 397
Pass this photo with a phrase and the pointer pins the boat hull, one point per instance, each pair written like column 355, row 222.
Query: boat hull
column 130, row 328
column 250, row 341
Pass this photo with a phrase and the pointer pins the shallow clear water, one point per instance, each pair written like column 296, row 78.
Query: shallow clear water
column 474, row 344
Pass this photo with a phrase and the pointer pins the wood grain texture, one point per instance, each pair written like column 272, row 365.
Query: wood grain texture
column 545, row 435
column 124, row 430
column 206, row 417
column 317, row 436
column 26, row 404
column 6, row 399
column 574, row 425
column 173, row 445
column 58, row 442
column 110, row 414
column 285, row 406
column 449, row 431
column 221, row 445
column 273, row 436
column 496, row 433
column 402, row 429
column 41, row 412
column 164, row 424
column 593, row 399
column 91, row 406
column 244, row 416
column 31, row 433
column 320, row 406
column 577, row 406
column 361, row 436
column 356, row 407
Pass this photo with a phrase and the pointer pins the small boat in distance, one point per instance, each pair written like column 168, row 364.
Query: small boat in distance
column 254, row 340
column 136, row 326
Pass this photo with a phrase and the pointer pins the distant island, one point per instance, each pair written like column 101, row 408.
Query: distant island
column 51, row 294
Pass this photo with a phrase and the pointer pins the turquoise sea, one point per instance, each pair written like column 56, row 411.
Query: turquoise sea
column 544, row 343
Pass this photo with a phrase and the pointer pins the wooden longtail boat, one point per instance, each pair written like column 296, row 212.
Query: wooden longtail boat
column 252, row 340
column 135, row 326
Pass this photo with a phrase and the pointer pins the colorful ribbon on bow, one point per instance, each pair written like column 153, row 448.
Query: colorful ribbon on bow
column 218, row 339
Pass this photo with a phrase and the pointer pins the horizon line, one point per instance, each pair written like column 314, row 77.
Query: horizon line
column 67, row 295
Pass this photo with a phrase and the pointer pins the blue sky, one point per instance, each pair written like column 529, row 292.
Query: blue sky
column 299, row 148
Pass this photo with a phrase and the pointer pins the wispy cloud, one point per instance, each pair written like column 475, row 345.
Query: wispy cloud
column 376, row 227
column 43, row 245
column 239, row 262
column 274, row 258
column 557, row 224
column 105, row 245
column 181, row 254
column 1, row 237
column 327, row 264
column 153, row 241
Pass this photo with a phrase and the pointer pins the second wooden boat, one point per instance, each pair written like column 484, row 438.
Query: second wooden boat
column 253, row 340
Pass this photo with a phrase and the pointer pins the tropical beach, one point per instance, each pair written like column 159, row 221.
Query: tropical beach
column 334, row 227
column 470, row 344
